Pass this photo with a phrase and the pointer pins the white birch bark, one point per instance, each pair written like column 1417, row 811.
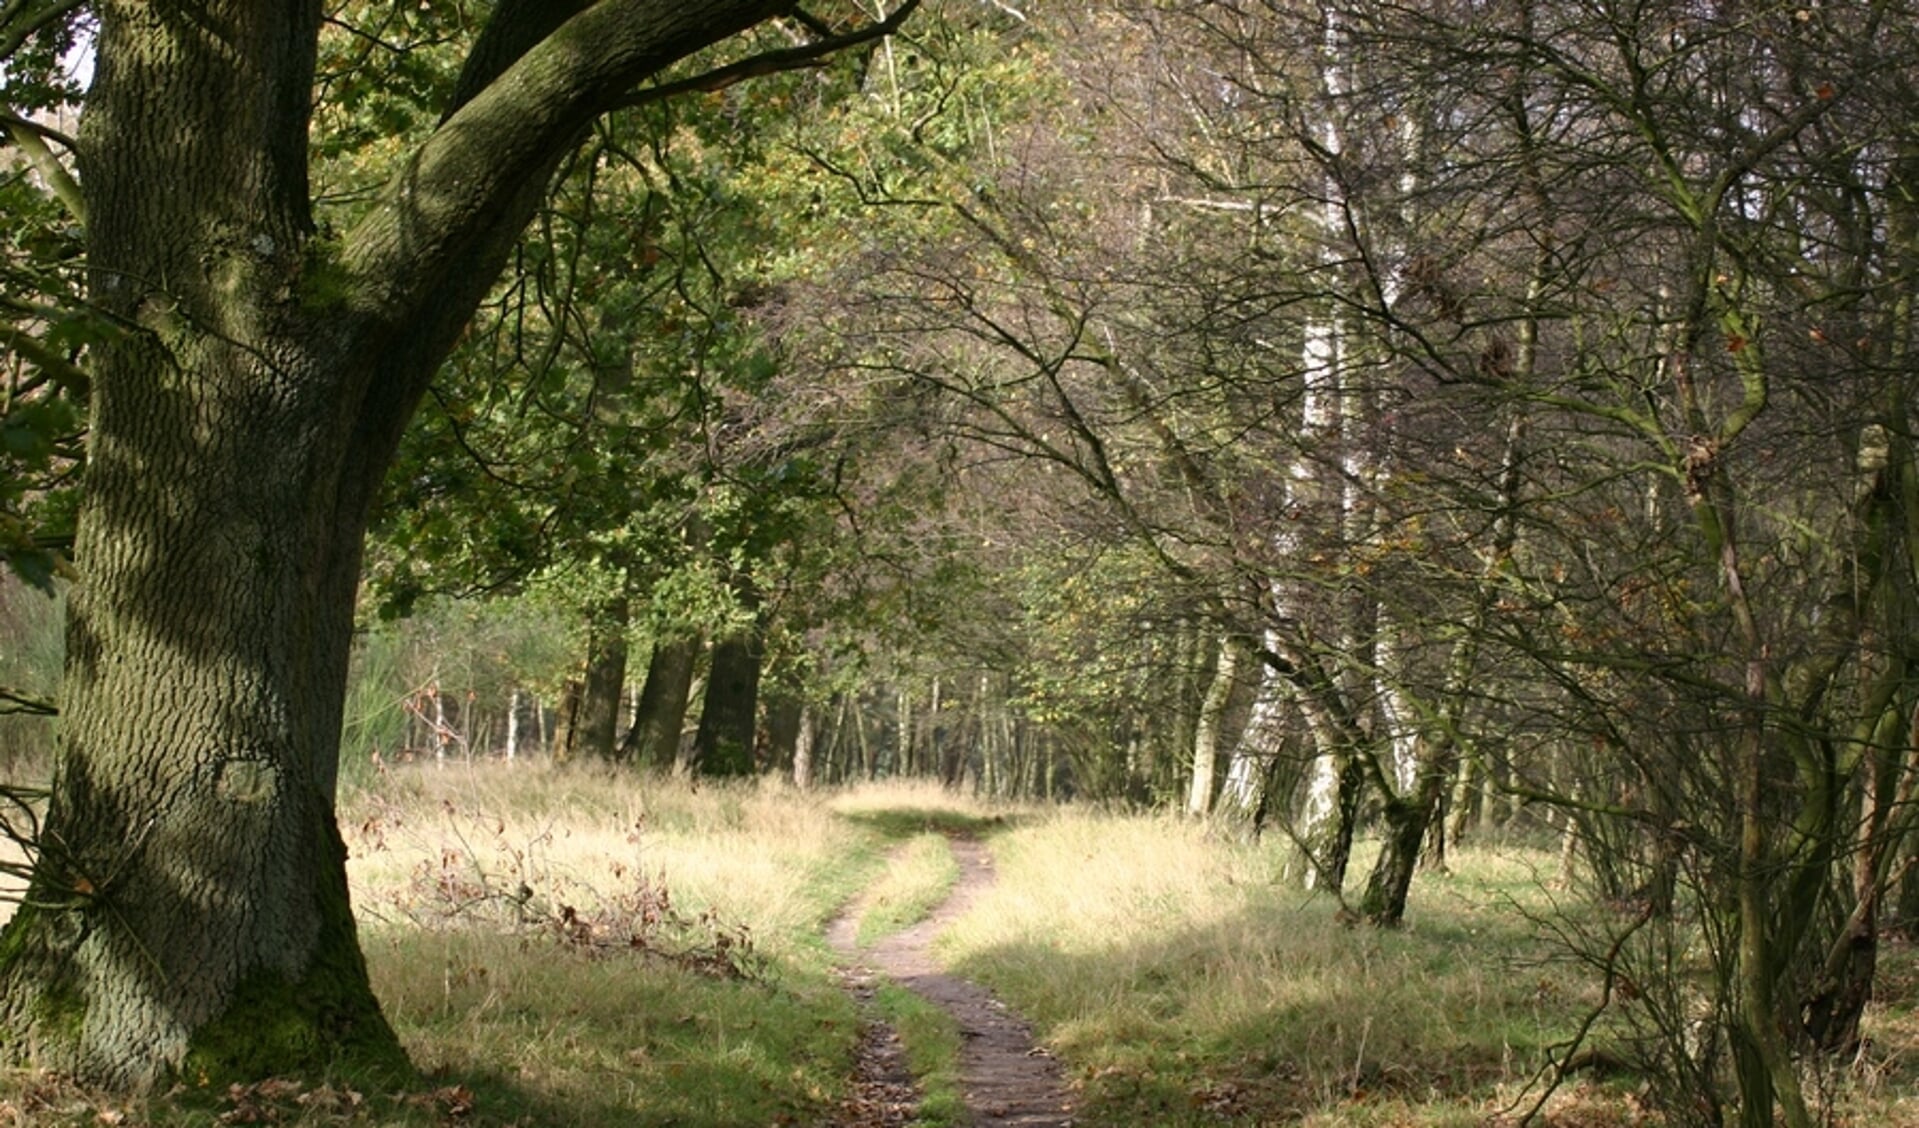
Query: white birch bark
column 1323, row 362
column 513, row 726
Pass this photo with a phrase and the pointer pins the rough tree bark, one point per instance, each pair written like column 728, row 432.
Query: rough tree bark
column 654, row 739
column 723, row 746
column 604, row 685
column 192, row 901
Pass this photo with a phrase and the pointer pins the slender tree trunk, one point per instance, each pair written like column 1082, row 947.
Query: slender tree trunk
column 867, row 766
column 903, row 753
column 513, row 725
column 1837, row 1002
column 1469, row 791
column 843, row 747
column 803, row 742
column 566, row 723
column 1349, row 788
column 1206, row 734
column 442, row 727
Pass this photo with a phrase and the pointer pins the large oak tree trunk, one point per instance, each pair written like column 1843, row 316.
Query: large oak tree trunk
column 194, row 879
column 193, row 908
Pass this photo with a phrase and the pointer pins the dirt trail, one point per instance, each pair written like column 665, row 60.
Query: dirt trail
column 1004, row 1078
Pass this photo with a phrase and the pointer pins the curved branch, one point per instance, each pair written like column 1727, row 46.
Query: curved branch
column 461, row 200
column 773, row 62
column 21, row 19
column 31, row 704
column 31, row 138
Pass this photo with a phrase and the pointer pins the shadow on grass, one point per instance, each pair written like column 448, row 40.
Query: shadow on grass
column 480, row 1097
column 469, row 1097
column 542, row 1035
column 729, row 1054
column 502, row 1101
column 901, row 823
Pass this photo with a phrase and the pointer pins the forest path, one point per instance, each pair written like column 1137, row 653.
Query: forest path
column 1005, row 1078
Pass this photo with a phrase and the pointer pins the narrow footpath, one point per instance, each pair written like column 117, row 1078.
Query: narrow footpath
column 1005, row 1079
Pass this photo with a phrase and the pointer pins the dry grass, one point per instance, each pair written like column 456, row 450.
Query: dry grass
column 460, row 874
column 919, row 874
column 1181, row 982
column 755, row 854
column 1184, row 985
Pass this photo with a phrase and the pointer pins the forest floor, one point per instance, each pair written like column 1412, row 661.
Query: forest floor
column 1005, row 1078
column 568, row 947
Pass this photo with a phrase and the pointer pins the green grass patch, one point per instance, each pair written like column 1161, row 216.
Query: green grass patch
column 932, row 1042
column 903, row 823
column 580, row 1040
column 917, row 877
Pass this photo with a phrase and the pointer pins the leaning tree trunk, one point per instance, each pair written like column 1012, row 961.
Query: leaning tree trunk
column 190, row 900
column 1206, row 733
column 654, row 739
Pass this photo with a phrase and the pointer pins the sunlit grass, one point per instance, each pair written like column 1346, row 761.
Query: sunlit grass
column 754, row 854
column 919, row 875
column 1182, row 984
column 1179, row 979
column 454, row 869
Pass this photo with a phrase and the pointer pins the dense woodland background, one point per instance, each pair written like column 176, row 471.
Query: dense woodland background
column 1430, row 422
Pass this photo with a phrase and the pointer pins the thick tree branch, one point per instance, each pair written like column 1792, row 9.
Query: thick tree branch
column 774, row 62
column 32, row 704
column 517, row 26
column 21, row 19
column 30, row 137
column 419, row 261
column 457, row 203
